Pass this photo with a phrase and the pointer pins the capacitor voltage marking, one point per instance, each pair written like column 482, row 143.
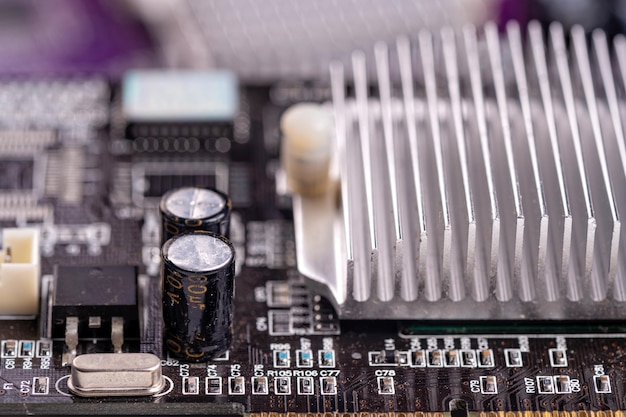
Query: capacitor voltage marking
column 198, row 272
column 191, row 208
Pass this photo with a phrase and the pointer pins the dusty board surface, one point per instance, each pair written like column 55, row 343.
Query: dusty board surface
column 290, row 353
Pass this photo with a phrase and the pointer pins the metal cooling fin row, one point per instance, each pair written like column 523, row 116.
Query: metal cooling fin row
column 481, row 174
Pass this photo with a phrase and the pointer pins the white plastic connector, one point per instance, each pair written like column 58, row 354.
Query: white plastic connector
column 20, row 272
column 306, row 148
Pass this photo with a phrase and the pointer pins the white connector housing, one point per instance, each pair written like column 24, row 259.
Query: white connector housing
column 306, row 149
column 20, row 272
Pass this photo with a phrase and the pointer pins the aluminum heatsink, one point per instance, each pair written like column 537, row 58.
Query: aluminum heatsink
column 481, row 176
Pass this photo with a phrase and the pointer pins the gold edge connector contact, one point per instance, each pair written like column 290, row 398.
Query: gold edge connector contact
column 582, row 413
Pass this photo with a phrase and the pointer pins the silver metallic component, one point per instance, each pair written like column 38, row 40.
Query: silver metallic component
column 192, row 208
column 116, row 374
column 71, row 340
column 199, row 253
column 117, row 333
column 194, row 203
column 482, row 176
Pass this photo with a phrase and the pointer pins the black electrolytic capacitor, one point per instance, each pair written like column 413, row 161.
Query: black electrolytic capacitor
column 198, row 269
column 191, row 208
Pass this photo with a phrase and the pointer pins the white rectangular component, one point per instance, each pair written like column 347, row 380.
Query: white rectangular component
column 41, row 385
column 305, row 385
column 328, row 385
column 180, row 96
column 602, row 384
column 513, row 358
column 214, row 386
column 20, row 272
column 488, row 385
column 260, row 385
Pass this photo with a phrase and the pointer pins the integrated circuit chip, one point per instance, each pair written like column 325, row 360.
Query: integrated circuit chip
column 95, row 296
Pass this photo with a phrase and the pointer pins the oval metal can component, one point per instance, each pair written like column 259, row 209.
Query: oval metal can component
column 116, row 374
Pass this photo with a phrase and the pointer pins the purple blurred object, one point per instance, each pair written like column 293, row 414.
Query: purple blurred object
column 521, row 11
column 65, row 37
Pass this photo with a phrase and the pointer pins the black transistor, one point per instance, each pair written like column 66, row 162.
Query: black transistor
column 96, row 298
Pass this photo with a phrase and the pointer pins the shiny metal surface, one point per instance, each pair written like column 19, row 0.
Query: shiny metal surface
column 116, row 374
column 198, row 252
column 194, row 203
column 487, row 181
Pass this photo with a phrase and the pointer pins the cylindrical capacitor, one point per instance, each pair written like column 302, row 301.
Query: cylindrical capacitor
column 190, row 208
column 198, row 269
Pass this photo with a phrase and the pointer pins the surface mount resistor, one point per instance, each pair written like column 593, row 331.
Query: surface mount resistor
column 260, row 385
column 306, row 148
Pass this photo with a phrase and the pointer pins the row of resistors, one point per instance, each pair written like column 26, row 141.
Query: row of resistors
column 453, row 358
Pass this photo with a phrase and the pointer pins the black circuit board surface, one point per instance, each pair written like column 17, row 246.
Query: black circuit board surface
column 290, row 353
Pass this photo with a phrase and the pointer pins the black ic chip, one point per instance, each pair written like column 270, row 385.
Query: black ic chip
column 95, row 294
column 159, row 184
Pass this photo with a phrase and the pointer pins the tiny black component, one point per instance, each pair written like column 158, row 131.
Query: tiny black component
column 485, row 358
column 418, row 358
column 89, row 293
column 306, row 385
column 41, row 385
column 452, row 358
column 435, row 358
column 602, row 384
column 9, row 349
column 16, row 174
column 488, row 384
column 513, row 358
column 562, row 384
column 382, row 357
column 187, row 209
column 198, row 270
column 191, row 385
column 282, row 359
column 328, row 385
column 325, row 319
column 326, row 358
column 304, row 359
column 558, row 358
column 214, row 386
column 236, row 385
column 259, row 385
column 282, row 385
column 44, row 349
column 386, row 385
column 468, row 358
column 545, row 384
column 27, row 349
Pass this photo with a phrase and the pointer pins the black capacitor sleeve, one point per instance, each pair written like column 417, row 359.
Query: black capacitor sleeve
column 172, row 224
column 197, row 305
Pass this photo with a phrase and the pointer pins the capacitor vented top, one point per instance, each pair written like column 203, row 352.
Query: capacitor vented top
column 191, row 208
